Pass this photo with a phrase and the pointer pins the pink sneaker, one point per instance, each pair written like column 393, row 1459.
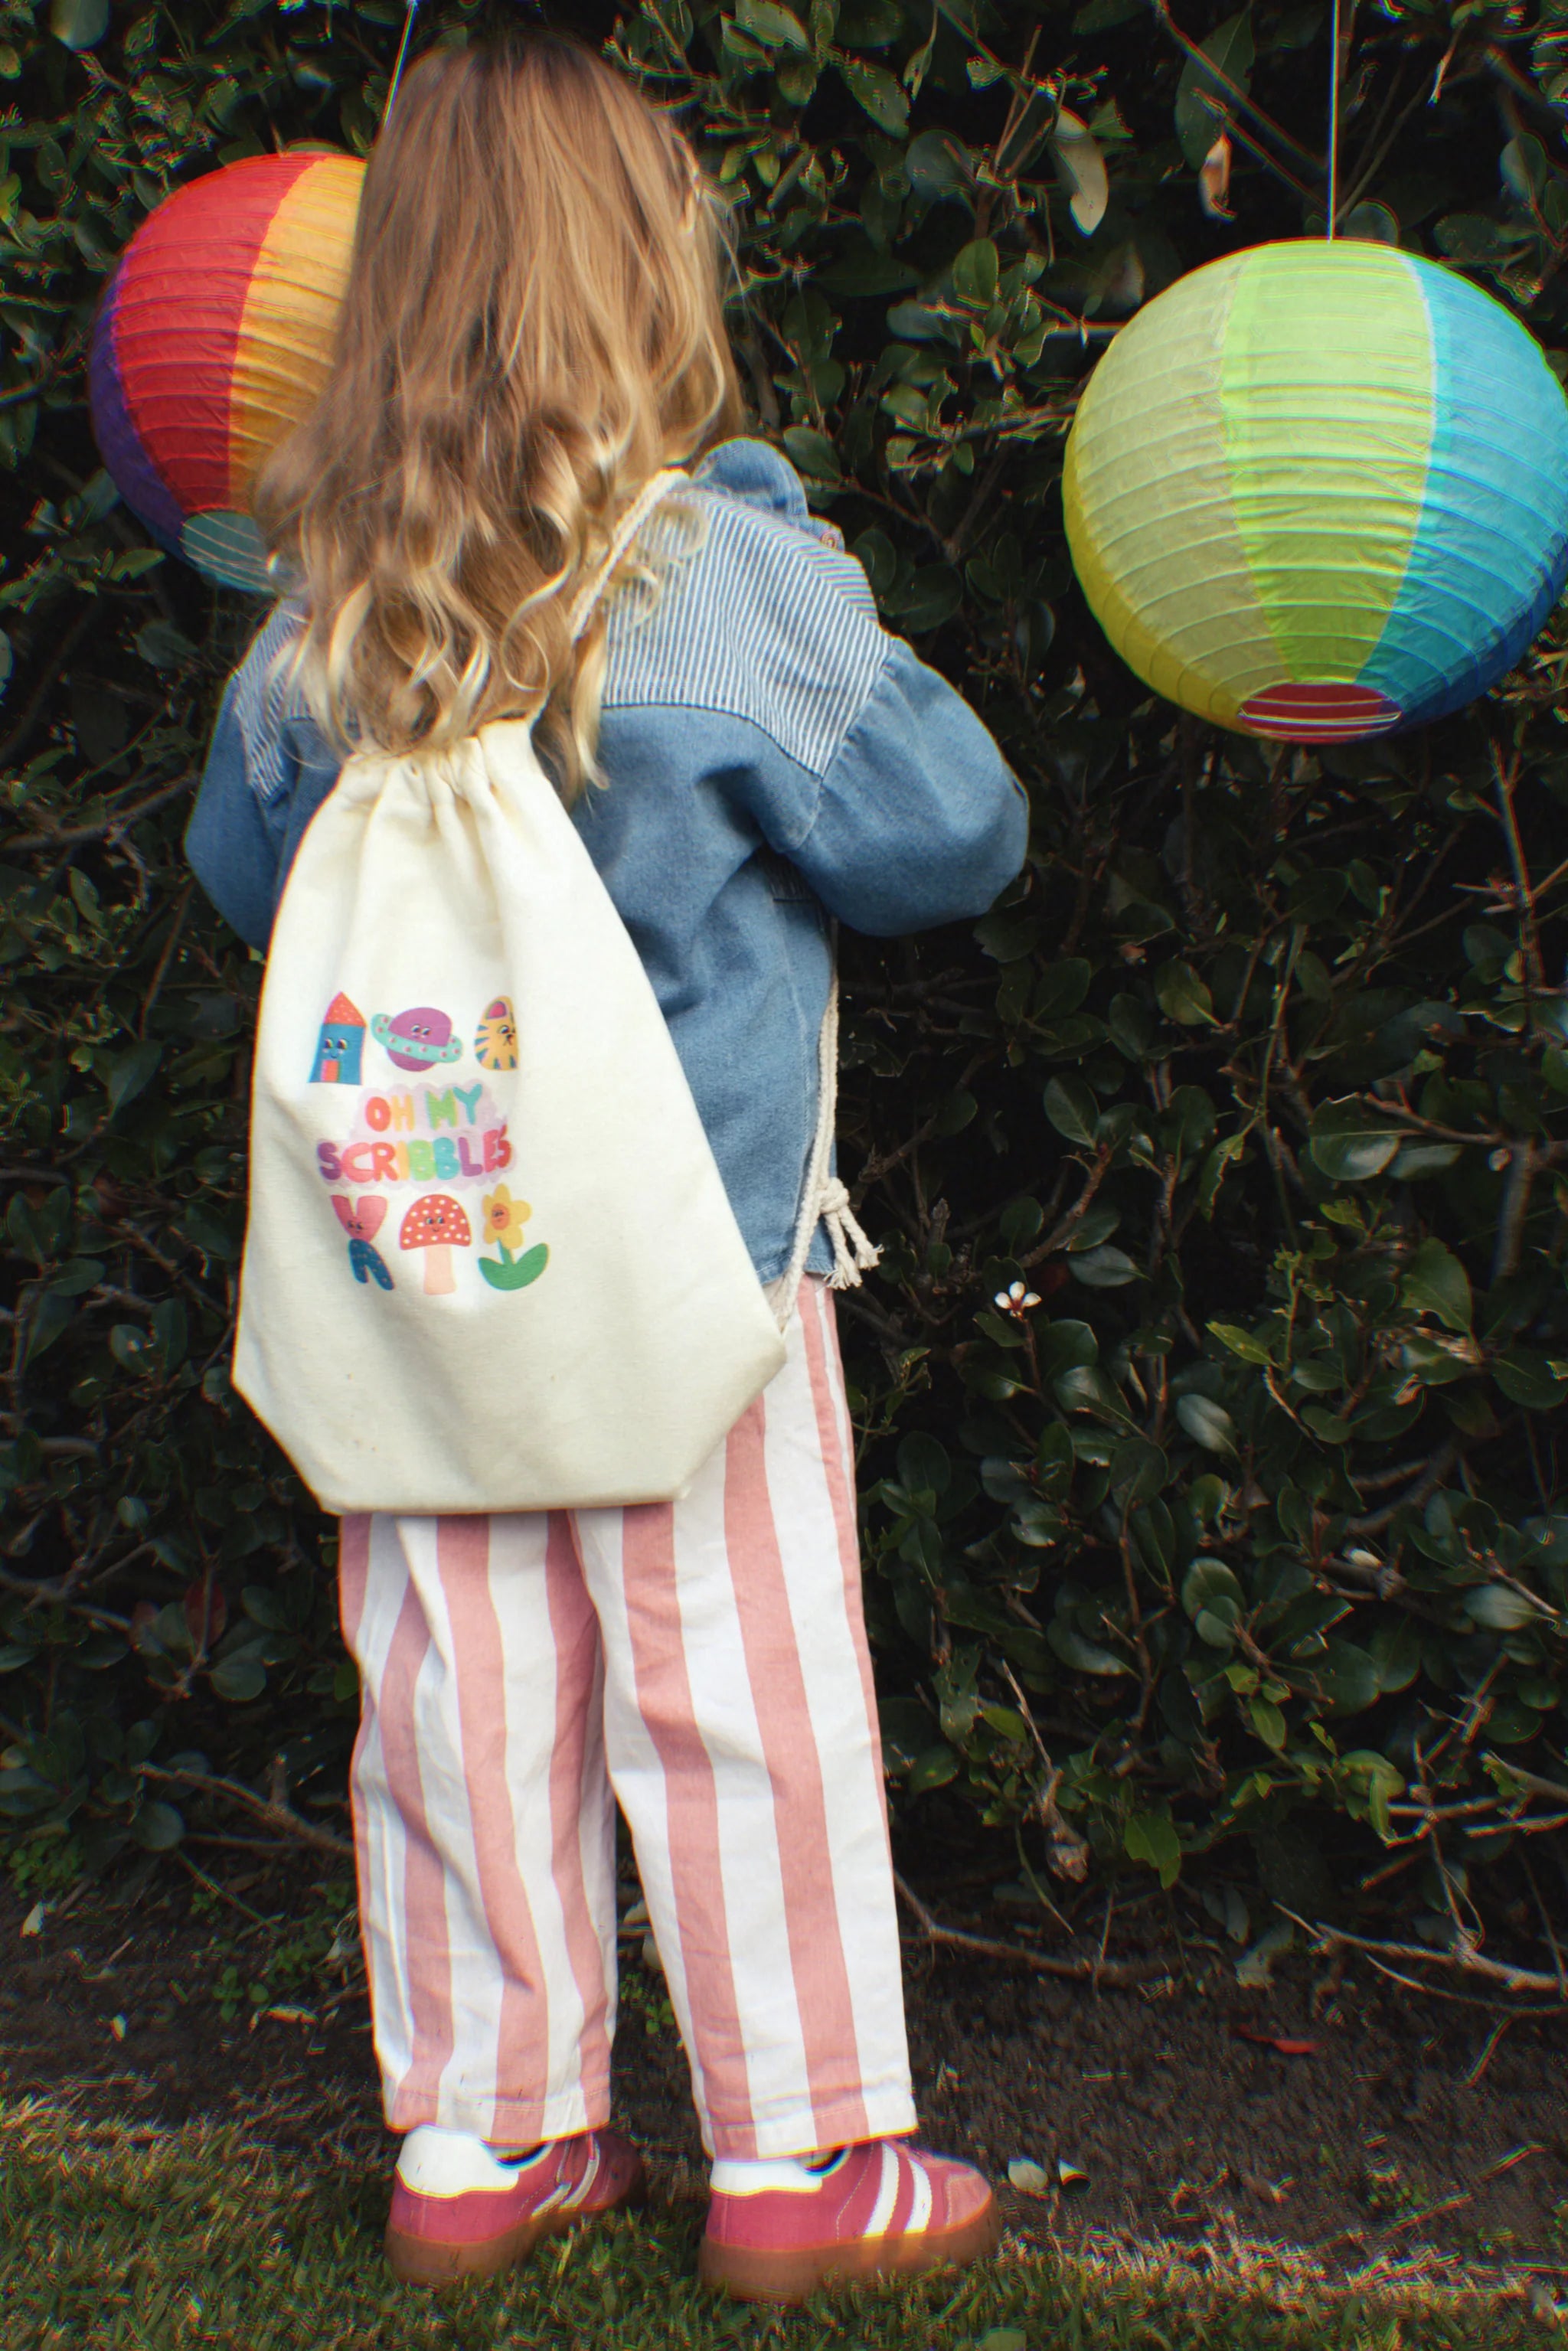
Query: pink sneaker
column 458, row 2211
column 775, row 2231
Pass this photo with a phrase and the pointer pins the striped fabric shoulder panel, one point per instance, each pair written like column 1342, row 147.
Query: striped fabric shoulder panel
column 753, row 620
column 757, row 622
column 265, row 698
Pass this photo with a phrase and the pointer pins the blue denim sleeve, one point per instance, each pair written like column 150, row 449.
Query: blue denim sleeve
column 240, row 841
column 918, row 819
column 230, row 846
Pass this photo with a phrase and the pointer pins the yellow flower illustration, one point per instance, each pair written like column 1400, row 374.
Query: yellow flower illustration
column 505, row 1218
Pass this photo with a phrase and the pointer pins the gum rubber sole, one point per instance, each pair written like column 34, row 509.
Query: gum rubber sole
column 428, row 2261
column 751, row 2273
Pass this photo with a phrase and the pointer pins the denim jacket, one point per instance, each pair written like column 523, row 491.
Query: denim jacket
column 772, row 756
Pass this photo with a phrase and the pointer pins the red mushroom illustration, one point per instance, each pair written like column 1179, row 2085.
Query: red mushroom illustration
column 437, row 1225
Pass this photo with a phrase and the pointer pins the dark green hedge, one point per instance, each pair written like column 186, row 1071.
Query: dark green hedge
column 1213, row 1382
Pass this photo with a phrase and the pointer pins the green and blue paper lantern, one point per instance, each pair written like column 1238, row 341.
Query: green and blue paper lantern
column 1319, row 491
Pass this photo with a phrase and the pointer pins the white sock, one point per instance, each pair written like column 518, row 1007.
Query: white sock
column 437, row 2162
column 797, row 2175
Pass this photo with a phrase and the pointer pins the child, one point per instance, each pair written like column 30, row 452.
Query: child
column 532, row 330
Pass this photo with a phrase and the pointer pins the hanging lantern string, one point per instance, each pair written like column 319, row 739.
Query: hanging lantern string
column 1334, row 122
column 410, row 12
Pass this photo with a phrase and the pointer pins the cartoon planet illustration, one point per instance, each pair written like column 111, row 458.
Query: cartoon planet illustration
column 342, row 1045
column 495, row 1039
column 1319, row 491
column 214, row 341
column 416, row 1038
column 437, row 1225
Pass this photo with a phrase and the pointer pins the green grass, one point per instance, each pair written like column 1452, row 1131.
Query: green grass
column 115, row 2237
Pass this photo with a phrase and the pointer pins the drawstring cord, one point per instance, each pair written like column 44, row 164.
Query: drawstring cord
column 844, row 1232
column 823, row 1198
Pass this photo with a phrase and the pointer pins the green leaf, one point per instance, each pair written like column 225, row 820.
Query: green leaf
column 1241, row 1342
column 1499, row 1608
column 1103, row 1269
column 975, row 274
column 881, row 97
column 1208, row 1424
column 132, row 1346
column 1437, row 1284
column 240, row 1678
column 1207, row 1581
column 1371, row 224
column 1216, row 1625
column 1351, row 1144
column 923, row 1465
column 1083, row 169
column 812, row 454
column 1138, row 1471
column 1083, row 1656
column 1414, row 1159
column 1152, row 1837
column 938, row 165
column 1347, row 1677
column 934, row 596
column 1529, row 1379
column 934, row 1769
column 163, row 646
column 50, row 1317
column 1267, row 1721
column 130, row 1072
column 1395, row 1651
column 80, row 23
column 1071, row 1109
column 158, row 1827
column 1215, row 1168
column 1182, row 996
column 1197, row 123
column 775, row 26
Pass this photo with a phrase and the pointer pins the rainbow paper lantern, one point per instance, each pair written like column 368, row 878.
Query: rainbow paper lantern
column 1318, row 491
column 212, row 342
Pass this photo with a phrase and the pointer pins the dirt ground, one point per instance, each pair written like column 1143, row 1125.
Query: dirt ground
column 1405, row 2137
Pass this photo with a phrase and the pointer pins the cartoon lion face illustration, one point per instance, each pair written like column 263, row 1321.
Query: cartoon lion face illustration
column 495, row 1039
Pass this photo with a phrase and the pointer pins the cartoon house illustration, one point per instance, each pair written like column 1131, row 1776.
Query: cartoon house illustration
column 342, row 1044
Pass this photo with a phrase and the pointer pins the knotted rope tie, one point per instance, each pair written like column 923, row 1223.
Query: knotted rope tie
column 852, row 1252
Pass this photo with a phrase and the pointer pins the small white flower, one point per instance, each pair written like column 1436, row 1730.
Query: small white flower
column 1016, row 1300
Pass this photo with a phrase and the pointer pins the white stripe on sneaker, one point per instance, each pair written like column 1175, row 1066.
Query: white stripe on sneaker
column 920, row 2211
column 767, row 2175
column 893, row 2160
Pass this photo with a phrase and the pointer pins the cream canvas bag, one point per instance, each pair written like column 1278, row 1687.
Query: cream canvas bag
column 490, row 1263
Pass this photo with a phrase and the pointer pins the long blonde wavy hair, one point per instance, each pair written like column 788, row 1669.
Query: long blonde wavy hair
column 533, row 327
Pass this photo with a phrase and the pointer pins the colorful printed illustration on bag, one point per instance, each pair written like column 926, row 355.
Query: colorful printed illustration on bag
column 495, row 1039
column 415, row 1039
column 341, row 1046
column 437, row 1225
column 504, row 1220
column 420, row 1134
column 363, row 1220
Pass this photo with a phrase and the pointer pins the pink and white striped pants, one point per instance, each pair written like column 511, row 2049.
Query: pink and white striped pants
column 704, row 1660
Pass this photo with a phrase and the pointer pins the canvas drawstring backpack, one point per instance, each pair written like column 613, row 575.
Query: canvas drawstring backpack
column 490, row 1263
